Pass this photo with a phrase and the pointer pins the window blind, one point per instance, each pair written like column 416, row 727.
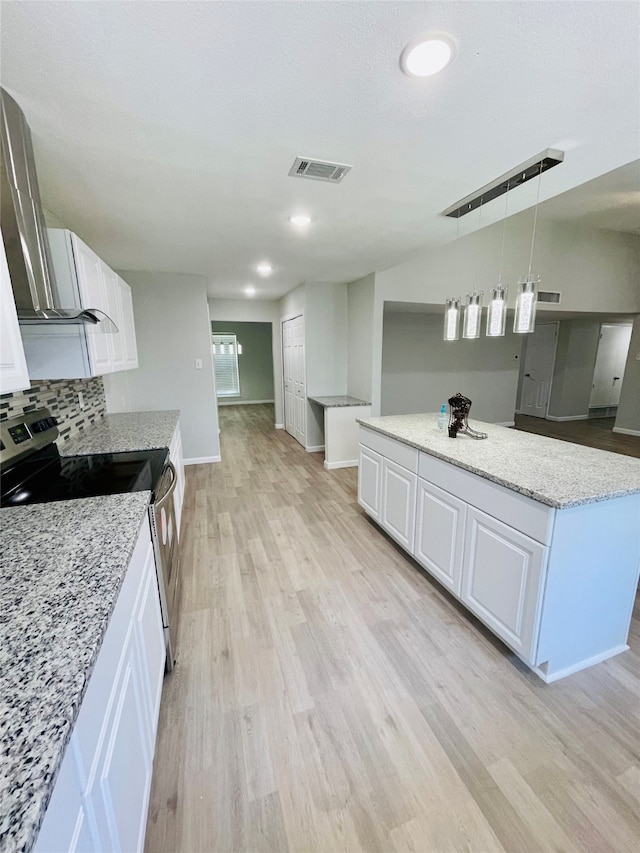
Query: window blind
column 225, row 365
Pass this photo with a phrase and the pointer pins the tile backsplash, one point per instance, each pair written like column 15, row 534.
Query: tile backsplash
column 60, row 396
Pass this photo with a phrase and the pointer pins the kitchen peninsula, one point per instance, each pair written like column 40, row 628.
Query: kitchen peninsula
column 539, row 538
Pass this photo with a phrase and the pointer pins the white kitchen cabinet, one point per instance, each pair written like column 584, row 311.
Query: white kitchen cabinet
column 100, row 799
column 79, row 351
column 127, row 326
column 398, row 511
column 370, row 481
column 439, row 538
column 13, row 365
column 175, row 454
column 556, row 585
column 502, row 580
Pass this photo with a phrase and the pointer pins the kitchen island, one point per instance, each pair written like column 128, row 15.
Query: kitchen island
column 539, row 538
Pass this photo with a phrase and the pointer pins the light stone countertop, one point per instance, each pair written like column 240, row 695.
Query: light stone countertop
column 338, row 401
column 557, row 473
column 124, row 432
column 61, row 570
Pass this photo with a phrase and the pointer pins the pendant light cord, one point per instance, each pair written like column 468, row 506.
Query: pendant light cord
column 504, row 231
column 535, row 220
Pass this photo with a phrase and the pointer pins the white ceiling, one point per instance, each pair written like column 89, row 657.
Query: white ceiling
column 164, row 131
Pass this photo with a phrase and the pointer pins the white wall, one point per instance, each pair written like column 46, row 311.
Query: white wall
column 257, row 311
column 628, row 417
column 573, row 369
column 360, row 303
column 595, row 270
column 293, row 303
column 172, row 330
column 420, row 370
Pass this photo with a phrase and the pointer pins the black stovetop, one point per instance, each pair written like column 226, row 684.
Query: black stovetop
column 46, row 476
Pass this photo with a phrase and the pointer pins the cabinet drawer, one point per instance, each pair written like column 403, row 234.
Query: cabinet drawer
column 530, row 517
column 398, row 452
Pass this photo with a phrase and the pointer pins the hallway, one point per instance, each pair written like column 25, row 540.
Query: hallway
column 329, row 696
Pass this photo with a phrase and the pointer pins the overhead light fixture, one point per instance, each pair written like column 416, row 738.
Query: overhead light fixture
column 250, row 291
column 472, row 315
column 497, row 312
column 452, row 319
column 427, row 55
column 525, row 316
column 264, row 268
column 510, row 180
column 301, row 221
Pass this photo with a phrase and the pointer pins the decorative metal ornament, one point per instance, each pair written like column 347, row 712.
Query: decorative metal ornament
column 459, row 418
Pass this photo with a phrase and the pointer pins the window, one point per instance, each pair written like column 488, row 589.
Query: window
column 225, row 365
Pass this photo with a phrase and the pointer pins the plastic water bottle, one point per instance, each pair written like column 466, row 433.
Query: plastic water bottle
column 443, row 420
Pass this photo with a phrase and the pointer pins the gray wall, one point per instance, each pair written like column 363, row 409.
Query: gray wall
column 420, row 370
column 325, row 319
column 360, row 298
column 573, row 370
column 255, row 364
column 595, row 270
column 628, row 417
column 172, row 330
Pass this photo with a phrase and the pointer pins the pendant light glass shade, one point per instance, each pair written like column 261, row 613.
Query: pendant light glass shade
column 452, row 319
column 524, row 320
column 497, row 312
column 472, row 316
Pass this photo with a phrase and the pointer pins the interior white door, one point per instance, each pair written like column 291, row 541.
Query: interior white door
column 295, row 398
column 610, row 363
column 538, row 370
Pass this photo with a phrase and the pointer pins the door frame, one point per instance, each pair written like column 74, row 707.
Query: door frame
column 523, row 367
column 284, row 319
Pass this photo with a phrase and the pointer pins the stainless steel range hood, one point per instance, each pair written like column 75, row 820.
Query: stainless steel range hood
column 23, row 229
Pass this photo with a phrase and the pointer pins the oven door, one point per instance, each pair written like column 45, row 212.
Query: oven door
column 165, row 542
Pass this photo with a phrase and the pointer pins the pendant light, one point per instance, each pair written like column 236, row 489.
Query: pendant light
column 452, row 319
column 525, row 316
column 497, row 308
column 472, row 315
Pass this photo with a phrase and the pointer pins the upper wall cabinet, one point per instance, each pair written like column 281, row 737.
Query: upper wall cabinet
column 81, row 351
column 13, row 366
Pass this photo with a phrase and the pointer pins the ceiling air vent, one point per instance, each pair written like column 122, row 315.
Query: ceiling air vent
column 549, row 296
column 318, row 170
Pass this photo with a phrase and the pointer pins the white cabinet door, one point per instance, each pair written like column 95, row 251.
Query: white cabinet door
column 370, row 481
column 119, row 796
column 503, row 579
column 440, row 523
column 128, row 326
column 13, row 365
column 114, row 303
column 398, row 503
column 151, row 648
column 93, row 294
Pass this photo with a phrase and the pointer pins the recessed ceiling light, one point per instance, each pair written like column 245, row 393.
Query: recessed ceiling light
column 264, row 268
column 301, row 221
column 250, row 291
column 427, row 55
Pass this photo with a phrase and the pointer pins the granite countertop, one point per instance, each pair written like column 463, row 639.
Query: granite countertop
column 61, row 571
column 124, row 432
column 338, row 402
column 557, row 473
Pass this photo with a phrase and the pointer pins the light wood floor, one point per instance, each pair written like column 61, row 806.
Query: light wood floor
column 330, row 697
column 593, row 432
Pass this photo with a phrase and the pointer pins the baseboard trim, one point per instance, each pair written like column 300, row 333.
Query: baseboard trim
column 506, row 423
column 349, row 463
column 278, row 426
column 202, row 460
column 315, row 449
column 624, row 431
column 567, row 418
column 550, row 677
column 245, row 402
